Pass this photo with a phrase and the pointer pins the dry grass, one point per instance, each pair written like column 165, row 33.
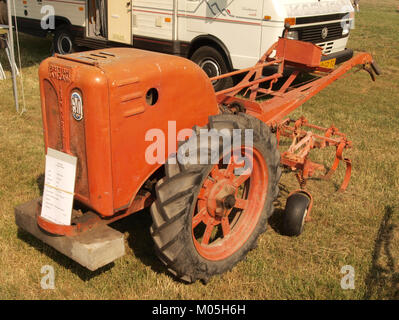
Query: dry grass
column 358, row 228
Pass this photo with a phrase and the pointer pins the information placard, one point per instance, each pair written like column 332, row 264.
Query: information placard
column 59, row 186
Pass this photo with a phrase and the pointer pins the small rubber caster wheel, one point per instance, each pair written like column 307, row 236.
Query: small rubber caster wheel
column 296, row 210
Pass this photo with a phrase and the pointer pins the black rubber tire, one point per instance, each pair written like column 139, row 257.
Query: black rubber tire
column 63, row 41
column 207, row 58
column 295, row 213
column 176, row 199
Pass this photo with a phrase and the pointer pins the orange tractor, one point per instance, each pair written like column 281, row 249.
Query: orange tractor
column 206, row 214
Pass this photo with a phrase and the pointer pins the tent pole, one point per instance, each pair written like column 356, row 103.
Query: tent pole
column 11, row 46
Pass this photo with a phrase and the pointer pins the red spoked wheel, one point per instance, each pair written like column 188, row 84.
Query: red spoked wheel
column 207, row 217
column 228, row 205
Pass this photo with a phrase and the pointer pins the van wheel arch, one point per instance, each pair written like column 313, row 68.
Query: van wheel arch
column 208, row 51
column 211, row 41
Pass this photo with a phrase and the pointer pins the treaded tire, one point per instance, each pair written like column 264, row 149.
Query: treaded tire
column 210, row 60
column 177, row 194
column 295, row 214
column 63, row 41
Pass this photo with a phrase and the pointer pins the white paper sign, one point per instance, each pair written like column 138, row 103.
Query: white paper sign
column 59, row 186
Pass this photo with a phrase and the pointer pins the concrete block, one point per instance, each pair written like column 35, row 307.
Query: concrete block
column 92, row 249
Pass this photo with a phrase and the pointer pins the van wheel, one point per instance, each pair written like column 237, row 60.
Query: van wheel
column 213, row 63
column 63, row 40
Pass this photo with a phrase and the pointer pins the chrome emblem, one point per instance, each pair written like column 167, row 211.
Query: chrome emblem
column 77, row 106
column 324, row 33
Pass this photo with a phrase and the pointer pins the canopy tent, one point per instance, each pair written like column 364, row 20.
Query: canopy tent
column 3, row 20
column 8, row 43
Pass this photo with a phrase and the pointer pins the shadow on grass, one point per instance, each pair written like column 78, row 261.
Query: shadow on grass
column 140, row 241
column 40, row 183
column 137, row 226
column 382, row 282
column 276, row 219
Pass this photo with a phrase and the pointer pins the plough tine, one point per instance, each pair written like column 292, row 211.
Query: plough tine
column 347, row 177
column 348, row 172
column 338, row 157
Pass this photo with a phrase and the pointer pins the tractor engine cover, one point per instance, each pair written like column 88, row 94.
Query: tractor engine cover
column 100, row 107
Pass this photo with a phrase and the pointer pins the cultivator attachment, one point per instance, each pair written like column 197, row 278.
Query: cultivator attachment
column 297, row 156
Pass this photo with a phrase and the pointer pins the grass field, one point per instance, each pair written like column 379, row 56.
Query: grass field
column 359, row 228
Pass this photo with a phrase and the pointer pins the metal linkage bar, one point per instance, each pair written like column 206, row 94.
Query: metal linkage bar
column 271, row 104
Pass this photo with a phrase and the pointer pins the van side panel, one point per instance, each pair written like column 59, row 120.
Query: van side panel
column 153, row 19
column 74, row 10
column 247, row 28
column 236, row 23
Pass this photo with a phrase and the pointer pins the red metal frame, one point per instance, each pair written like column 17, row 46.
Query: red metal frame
column 272, row 105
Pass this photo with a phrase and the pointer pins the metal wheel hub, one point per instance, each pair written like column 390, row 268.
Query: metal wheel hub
column 221, row 198
column 211, row 68
column 229, row 205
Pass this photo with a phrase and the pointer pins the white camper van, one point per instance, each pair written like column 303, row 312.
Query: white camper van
column 219, row 35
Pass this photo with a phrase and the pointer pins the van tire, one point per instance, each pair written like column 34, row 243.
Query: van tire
column 63, row 40
column 214, row 64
